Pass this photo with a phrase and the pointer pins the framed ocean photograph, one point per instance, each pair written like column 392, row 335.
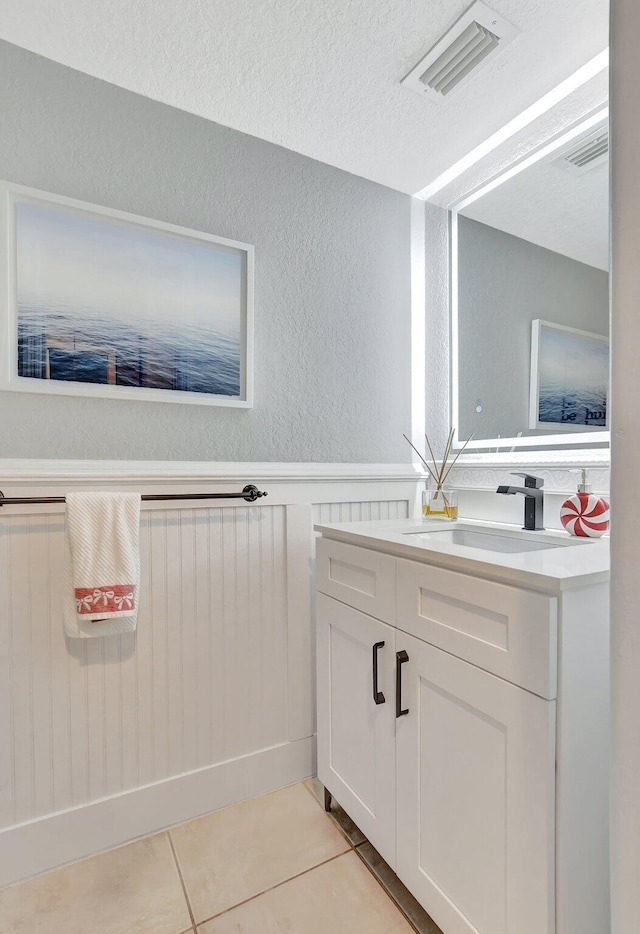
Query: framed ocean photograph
column 569, row 378
column 107, row 304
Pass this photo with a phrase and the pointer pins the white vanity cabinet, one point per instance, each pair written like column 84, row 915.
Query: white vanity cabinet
column 462, row 726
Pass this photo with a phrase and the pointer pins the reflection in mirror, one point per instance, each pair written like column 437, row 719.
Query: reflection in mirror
column 531, row 307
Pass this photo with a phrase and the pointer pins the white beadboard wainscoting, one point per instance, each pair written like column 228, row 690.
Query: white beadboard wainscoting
column 212, row 699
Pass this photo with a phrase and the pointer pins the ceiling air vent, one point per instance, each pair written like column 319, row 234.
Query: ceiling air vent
column 476, row 37
column 585, row 153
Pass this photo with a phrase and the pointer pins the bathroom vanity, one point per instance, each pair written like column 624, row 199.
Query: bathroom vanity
column 463, row 716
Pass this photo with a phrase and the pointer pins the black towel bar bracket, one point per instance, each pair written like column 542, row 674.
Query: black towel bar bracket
column 250, row 494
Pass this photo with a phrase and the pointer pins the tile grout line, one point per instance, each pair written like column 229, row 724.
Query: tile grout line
column 386, row 890
column 313, row 794
column 182, row 882
column 353, row 847
column 273, row 887
column 332, row 818
column 356, row 848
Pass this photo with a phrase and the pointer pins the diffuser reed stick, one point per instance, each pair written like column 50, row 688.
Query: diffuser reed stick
column 433, row 457
column 440, row 472
column 453, row 463
column 424, row 463
column 447, row 452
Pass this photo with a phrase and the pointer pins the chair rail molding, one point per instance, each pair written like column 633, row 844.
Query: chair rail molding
column 90, row 470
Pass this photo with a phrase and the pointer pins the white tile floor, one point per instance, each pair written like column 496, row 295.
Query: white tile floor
column 271, row 865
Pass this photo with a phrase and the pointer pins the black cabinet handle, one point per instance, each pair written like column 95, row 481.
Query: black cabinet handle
column 378, row 696
column 401, row 658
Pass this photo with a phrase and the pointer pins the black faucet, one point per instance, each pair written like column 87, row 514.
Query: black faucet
column 533, row 500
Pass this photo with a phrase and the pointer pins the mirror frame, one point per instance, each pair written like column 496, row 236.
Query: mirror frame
column 571, row 439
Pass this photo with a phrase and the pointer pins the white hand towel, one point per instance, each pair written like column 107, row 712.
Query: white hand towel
column 102, row 564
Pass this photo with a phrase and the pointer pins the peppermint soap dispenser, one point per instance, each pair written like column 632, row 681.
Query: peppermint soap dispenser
column 585, row 514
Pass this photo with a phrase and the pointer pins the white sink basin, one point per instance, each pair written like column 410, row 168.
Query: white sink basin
column 488, row 540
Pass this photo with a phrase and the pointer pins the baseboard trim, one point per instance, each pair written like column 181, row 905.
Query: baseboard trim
column 57, row 839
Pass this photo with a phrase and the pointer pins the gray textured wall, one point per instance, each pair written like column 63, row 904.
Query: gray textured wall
column 504, row 284
column 332, row 283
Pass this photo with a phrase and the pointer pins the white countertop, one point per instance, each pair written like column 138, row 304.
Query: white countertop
column 580, row 562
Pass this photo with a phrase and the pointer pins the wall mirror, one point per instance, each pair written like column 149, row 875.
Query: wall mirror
column 530, row 297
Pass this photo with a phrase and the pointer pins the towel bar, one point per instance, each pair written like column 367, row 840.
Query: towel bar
column 250, row 493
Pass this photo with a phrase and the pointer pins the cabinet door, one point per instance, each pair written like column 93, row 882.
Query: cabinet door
column 356, row 735
column 475, row 796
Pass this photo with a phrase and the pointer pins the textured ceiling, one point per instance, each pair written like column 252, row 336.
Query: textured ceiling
column 582, row 103
column 553, row 208
column 320, row 77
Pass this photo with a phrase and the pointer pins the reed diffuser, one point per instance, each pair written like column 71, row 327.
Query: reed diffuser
column 441, row 502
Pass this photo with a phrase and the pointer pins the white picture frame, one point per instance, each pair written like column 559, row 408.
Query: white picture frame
column 569, row 386
column 201, row 342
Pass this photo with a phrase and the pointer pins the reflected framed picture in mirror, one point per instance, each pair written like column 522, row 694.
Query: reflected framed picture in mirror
column 569, row 378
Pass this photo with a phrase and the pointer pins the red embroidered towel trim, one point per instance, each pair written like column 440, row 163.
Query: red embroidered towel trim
column 105, row 599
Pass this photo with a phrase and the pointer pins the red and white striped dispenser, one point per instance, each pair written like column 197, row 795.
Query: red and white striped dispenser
column 585, row 514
